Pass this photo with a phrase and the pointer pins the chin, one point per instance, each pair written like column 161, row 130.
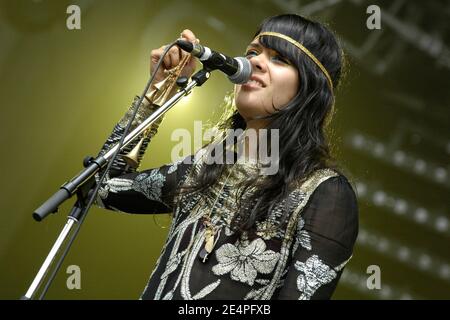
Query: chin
column 248, row 104
column 250, row 113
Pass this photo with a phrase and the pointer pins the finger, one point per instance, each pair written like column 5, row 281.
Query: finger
column 167, row 61
column 189, row 35
column 154, row 58
column 181, row 53
column 174, row 58
column 156, row 55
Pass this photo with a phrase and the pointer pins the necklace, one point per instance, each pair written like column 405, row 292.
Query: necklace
column 211, row 229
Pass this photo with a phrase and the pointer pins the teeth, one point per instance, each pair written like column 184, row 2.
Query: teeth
column 255, row 82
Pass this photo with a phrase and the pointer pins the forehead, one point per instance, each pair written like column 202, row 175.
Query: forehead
column 255, row 44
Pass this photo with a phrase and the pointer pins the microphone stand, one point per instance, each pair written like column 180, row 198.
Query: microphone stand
column 82, row 185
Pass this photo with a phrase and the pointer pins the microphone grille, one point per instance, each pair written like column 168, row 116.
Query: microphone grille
column 244, row 71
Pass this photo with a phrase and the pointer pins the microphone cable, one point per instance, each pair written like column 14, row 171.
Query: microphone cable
column 102, row 178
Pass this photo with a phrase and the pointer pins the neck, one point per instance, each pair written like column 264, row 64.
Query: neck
column 256, row 124
column 251, row 141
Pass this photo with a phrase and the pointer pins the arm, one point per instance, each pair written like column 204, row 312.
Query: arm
column 128, row 190
column 326, row 232
column 150, row 191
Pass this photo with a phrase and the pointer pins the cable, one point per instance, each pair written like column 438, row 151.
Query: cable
column 99, row 183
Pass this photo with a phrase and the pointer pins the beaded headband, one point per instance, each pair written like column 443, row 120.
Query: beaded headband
column 302, row 48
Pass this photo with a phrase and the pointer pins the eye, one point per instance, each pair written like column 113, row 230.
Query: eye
column 251, row 53
column 281, row 59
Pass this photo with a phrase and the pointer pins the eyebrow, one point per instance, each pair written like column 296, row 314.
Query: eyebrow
column 254, row 45
column 257, row 45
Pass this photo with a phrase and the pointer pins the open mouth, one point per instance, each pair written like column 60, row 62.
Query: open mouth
column 255, row 83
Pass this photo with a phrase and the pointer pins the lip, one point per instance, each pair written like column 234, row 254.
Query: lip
column 248, row 86
column 254, row 86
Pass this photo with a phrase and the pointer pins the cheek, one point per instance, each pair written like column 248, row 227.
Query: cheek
column 237, row 88
column 237, row 94
column 286, row 89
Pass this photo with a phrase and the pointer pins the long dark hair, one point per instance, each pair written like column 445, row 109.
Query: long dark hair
column 303, row 147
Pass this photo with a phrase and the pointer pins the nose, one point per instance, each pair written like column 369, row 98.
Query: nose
column 259, row 62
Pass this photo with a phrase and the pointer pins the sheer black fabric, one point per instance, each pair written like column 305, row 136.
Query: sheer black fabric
column 301, row 259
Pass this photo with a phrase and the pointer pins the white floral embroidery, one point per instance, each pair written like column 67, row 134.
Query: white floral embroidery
column 168, row 295
column 206, row 290
column 228, row 231
column 256, row 294
column 172, row 264
column 314, row 273
column 115, row 185
column 266, row 229
column 245, row 260
column 149, row 184
column 302, row 237
column 174, row 167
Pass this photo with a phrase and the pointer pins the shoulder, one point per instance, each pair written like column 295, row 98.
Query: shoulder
column 332, row 208
column 331, row 188
column 337, row 186
column 323, row 180
column 326, row 182
column 328, row 192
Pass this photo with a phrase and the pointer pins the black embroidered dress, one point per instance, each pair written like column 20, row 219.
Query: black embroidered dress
column 301, row 259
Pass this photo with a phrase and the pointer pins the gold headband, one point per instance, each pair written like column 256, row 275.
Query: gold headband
column 301, row 47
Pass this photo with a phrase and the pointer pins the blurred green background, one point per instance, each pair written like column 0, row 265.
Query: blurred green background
column 63, row 90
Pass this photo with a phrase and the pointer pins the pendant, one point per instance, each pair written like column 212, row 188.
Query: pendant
column 203, row 255
column 209, row 239
column 209, row 244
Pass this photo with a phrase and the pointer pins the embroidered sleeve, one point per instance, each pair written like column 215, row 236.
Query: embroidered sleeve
column 119, row 166
column 149, row 191
column 128, row 190
column 323, row 244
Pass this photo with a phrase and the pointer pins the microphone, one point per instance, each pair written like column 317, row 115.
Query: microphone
column 238, row 69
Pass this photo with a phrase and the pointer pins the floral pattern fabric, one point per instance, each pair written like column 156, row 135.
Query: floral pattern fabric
column 300, row 259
